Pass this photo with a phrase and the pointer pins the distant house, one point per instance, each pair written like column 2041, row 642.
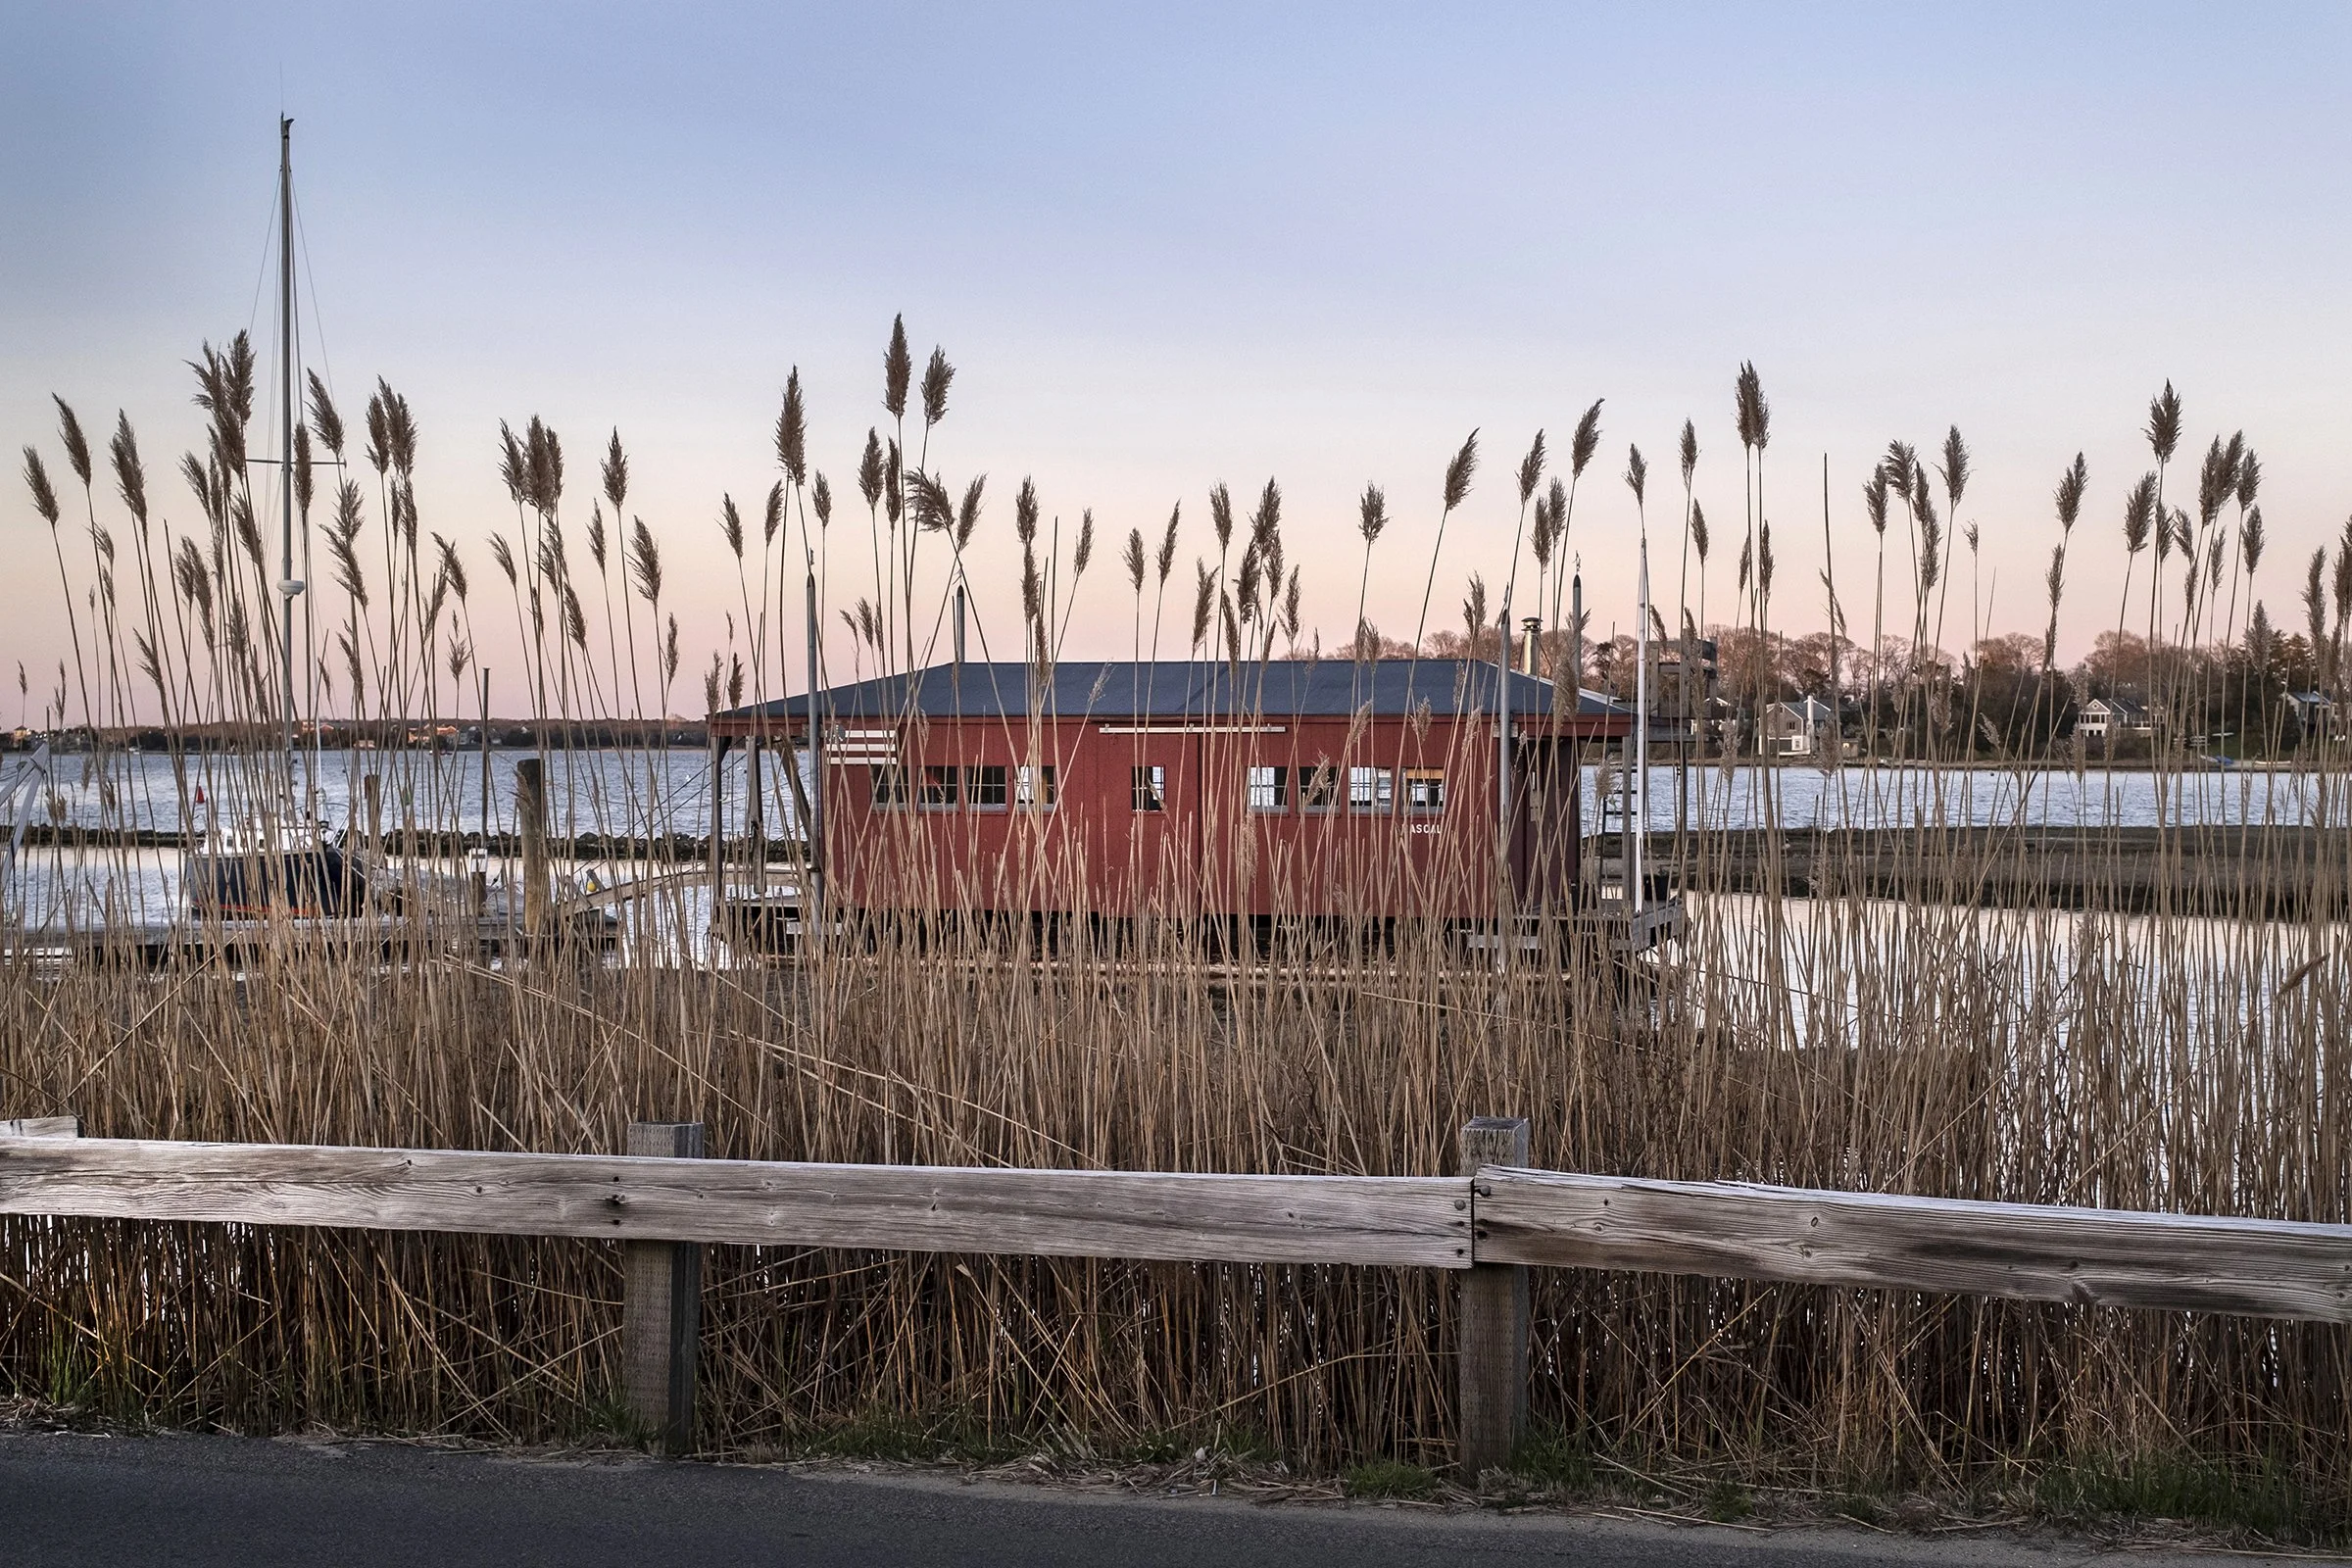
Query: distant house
column 2109, row 718
column 2316, row 712
column 1802, row 728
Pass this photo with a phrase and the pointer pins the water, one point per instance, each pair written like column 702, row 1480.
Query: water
column 641, row 793
column 626, row 794
column 587, row 791
column 2198, row 982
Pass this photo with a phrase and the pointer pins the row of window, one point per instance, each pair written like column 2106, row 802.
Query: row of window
column 983, row 787
column 1369, row 791
column 1270, row 791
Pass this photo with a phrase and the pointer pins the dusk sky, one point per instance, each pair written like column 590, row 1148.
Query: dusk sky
column 1169, row 250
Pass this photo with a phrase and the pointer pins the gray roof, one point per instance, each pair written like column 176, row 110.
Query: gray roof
column 1123, row 689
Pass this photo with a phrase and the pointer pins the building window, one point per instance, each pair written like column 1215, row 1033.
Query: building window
column 1424, row 791
column 889, row 781
column 983, row 787
column 1034, row 787
column 1319, row 788
column 1151, row 788
column 939, row 788
column 1270, row 790
column 1371, row 790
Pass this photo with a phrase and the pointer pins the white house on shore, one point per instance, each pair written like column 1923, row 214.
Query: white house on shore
column 1805, row 727
column 2109, row 718
column 2317, row 713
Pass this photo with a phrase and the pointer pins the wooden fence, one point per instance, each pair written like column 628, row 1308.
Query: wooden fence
column 1492, row 1222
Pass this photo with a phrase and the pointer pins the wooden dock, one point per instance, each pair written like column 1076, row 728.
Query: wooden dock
column 2233, row 872
column 388, row 940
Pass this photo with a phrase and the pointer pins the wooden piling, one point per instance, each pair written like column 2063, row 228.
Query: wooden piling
column 530, row 817
column 372, row 815
column 1494, row 1317
column 718, row 818
column 661, row 1318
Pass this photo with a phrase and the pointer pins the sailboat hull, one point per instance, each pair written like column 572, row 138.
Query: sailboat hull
column 313, row 882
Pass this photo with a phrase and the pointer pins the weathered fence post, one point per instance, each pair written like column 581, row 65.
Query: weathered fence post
column 530, row 821
column 1494, row 1317
column 662, row 1302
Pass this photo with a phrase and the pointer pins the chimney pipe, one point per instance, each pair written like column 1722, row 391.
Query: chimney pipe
column 960, row 625
column 1576, row 633
column 1534, row 627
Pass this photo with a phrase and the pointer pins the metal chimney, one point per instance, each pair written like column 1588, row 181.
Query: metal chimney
column 1576, row 633
column 1534, row 627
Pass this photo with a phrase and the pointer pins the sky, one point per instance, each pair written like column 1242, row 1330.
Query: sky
column 1166, row 249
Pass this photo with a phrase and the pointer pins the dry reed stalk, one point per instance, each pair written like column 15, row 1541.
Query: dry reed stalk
column 1914, row 1043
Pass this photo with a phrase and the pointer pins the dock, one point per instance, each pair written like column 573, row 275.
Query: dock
column 2235, row 872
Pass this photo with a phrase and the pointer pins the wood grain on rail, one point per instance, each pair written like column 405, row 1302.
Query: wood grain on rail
column 2103, row 1257
column 41, row 1127
column 1395, row 1220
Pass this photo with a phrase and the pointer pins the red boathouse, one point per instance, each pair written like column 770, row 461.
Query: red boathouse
column 1317, row 793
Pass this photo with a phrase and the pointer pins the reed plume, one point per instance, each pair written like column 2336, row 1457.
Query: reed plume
column 938, row 377
column 792, row 430
column 1455, row 490
column 44, row 505
column 324, row 422
column 898, row 369
column 68, row 434
column 1530, row 475
column 2020, row 1062
column 967, row 512
column 1581, row 447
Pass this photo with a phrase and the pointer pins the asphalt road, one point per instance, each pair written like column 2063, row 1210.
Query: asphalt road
column 211, row 1502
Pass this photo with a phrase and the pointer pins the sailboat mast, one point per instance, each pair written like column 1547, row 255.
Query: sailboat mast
column 287, row 586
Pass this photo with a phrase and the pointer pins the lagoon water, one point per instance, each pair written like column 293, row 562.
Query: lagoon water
column 620, row 792
column 629, row 793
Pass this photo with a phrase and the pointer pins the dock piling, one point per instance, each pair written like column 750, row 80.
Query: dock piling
column 530, row 816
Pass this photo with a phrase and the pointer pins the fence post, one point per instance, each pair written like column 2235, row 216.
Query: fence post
column 1494, row 1317
column 660, row 1316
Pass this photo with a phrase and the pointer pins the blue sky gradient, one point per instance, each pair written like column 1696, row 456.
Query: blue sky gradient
column 1165, row 249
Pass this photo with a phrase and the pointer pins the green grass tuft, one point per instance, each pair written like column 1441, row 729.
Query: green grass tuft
column 1727, row 1502
column 2265, row 1499
column 1388, row 1478
column 1553, row 1457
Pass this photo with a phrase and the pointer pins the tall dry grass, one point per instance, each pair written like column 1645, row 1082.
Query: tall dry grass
column 2152, row 1056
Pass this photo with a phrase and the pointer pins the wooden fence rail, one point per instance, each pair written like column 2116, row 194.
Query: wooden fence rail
column 1400, row 1221
column 1492, row 1222
column 2025, row 1252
